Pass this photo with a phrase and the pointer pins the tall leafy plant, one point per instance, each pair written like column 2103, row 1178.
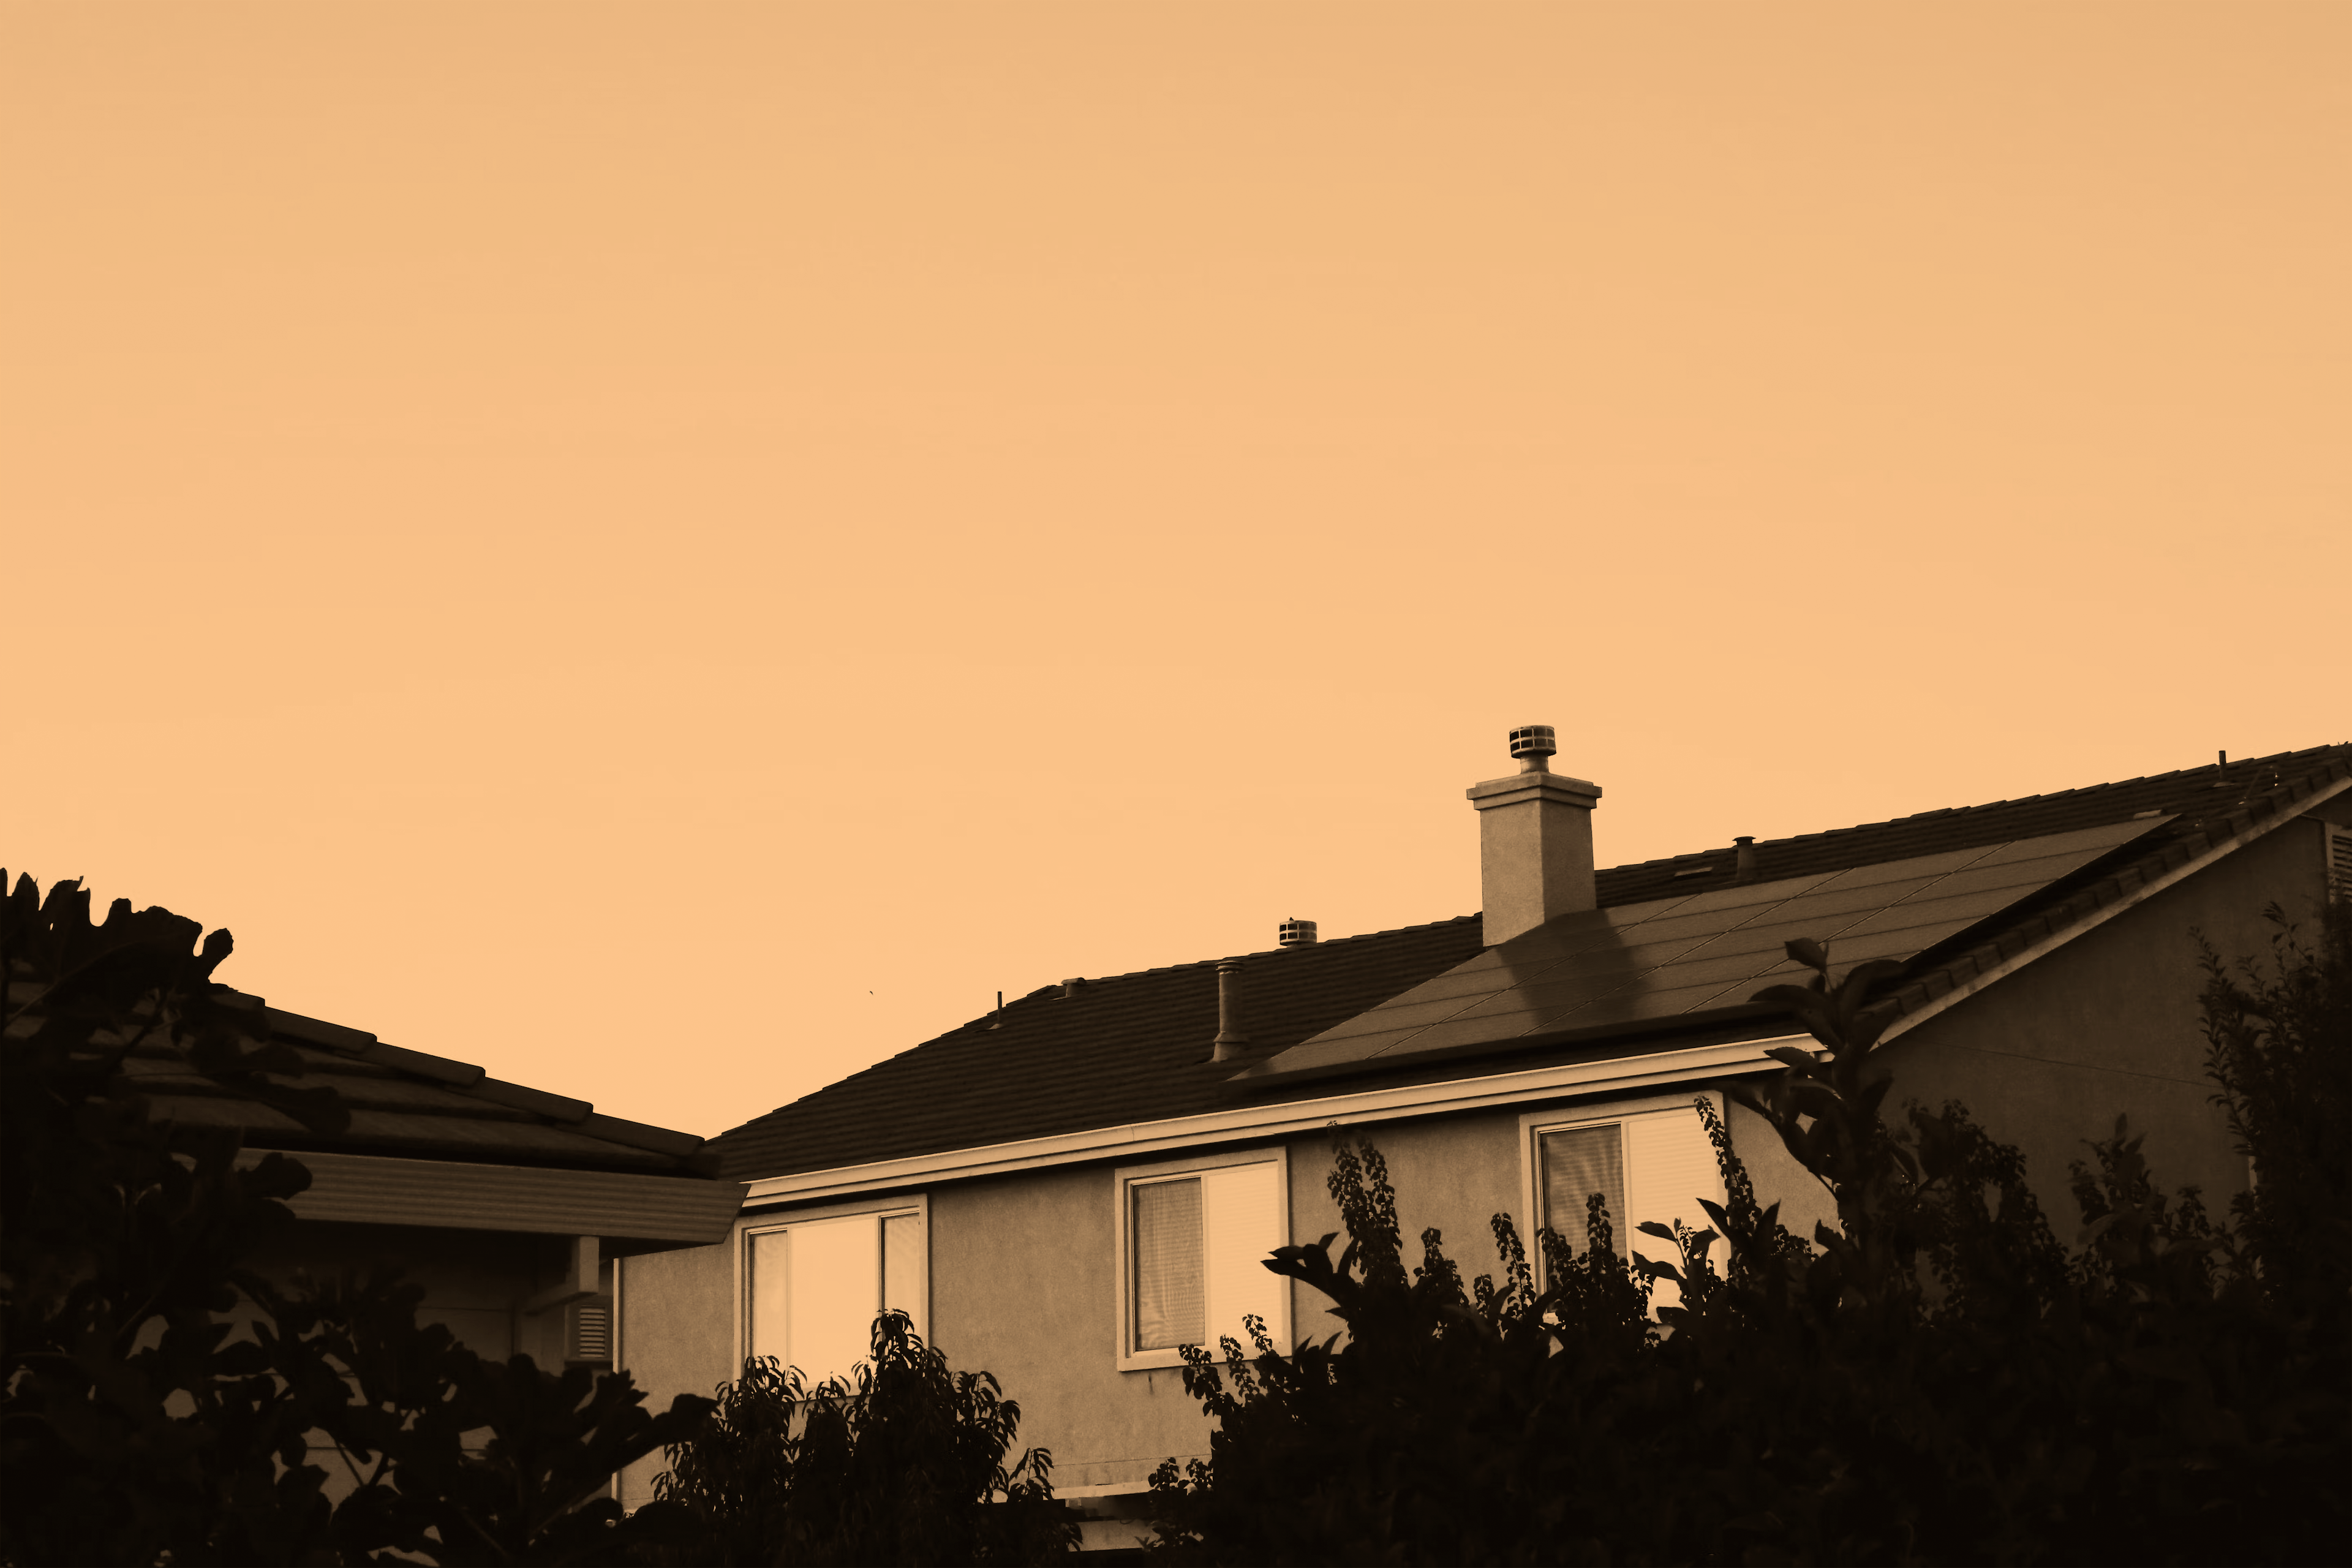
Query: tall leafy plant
column 160, row 1400
column 903, row 1462
column 1933, row 1378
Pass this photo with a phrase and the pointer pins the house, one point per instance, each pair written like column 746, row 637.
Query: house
column 1067, row 1190
column 508, row 1205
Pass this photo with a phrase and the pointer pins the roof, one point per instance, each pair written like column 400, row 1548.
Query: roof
column 408, row 1103
column 1955, row 893
column 1127, row 1048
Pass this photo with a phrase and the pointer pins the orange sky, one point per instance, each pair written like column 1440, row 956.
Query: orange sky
column 672, row 550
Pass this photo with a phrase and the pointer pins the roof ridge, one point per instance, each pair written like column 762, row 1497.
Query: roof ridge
column 1326, row 944
column 2249, row 764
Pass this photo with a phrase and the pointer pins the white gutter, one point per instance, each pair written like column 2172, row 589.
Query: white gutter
column 1244, row 1123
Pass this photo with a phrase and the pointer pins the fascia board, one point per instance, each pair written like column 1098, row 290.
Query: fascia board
column 379, row 1189
column 2106, row 912
column 1278, row 1121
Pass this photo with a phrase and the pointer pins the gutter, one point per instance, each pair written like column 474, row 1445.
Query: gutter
column 1654, row 1070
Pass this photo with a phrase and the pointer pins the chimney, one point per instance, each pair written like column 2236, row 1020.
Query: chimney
column 1231, row 1041
column 1535, row 840
column 1745, row 846
column 1296, row 933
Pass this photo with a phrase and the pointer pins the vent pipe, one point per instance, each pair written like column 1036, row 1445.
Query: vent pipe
column 1231, row 1041
column 1745, row 846
column 1296, row 933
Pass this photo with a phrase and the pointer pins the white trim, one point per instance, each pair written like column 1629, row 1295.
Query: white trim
column 2099, row 917
column 620, row 1364
column 918, row 1205
column 1126, row 1177
column 1258, row 1123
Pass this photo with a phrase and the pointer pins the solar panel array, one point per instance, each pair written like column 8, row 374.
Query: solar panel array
column 1691, row 955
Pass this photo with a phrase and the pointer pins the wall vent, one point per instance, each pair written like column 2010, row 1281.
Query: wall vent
column 588, row 1332
column 2340, row 863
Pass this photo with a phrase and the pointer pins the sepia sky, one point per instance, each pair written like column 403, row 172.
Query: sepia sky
column 672, row 551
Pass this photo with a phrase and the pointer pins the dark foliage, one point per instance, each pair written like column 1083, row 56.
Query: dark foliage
column 904, row 1464
column 161, row 1401
column 2280, row 1048
column 1934, row 1379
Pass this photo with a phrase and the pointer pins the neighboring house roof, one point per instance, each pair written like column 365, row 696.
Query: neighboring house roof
column 408, row 1104
column 1960, row 894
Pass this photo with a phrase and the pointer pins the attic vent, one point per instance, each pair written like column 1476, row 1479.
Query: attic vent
column 1533, row 740
column 1296, row 933
column 588, row 1330
column 2339, row 864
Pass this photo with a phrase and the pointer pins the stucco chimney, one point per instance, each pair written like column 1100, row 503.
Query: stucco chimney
column 1535, row 840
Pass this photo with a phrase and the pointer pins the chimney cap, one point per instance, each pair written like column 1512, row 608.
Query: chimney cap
column 1296, row 933
column 1530, row 745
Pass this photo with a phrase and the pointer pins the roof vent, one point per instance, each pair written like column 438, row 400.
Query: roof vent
column 1746, row 843
column 1530, row 745
column 1232, row 1039
column 1296, row 933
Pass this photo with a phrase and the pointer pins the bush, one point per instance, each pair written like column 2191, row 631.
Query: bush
column 906, row 1463
column 1934, row 1379
column 134, row 1427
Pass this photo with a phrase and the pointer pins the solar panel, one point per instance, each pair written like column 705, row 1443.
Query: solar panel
column 1694, row 954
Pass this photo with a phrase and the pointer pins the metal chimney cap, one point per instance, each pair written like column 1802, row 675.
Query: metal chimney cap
column 1530, row 745
column 1296, row 933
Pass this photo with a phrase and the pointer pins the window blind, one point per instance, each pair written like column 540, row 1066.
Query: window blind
column 1576, row 1162
column 1170, row 1287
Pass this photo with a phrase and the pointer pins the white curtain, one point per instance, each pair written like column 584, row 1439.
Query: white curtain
column 814, row 1291
column 1671, row 1161
column 1242, row 1212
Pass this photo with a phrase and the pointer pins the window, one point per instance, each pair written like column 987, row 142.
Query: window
column 813, row 1284
column 1652, row 1159
column 1193, row 1240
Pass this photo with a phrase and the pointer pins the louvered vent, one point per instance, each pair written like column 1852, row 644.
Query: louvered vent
column 2340, row 863
column 588, row 1332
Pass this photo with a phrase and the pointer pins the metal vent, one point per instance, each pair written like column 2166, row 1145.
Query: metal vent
column 1534, row 740
column 2340, row 863
column 588, row 1332
column 1296, row 933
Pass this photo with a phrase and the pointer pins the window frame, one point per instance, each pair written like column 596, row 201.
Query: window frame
column 881, row 1206
column 1533, row 1124
column 1130, row 1359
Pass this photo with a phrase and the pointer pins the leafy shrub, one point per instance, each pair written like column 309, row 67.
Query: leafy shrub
column 135, row 1425
column 1934, row 1379
column 902, row 1463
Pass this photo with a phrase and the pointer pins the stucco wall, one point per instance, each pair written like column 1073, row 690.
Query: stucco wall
column 2049, row 1055
column 1021, row 1285
column 677, row 1334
